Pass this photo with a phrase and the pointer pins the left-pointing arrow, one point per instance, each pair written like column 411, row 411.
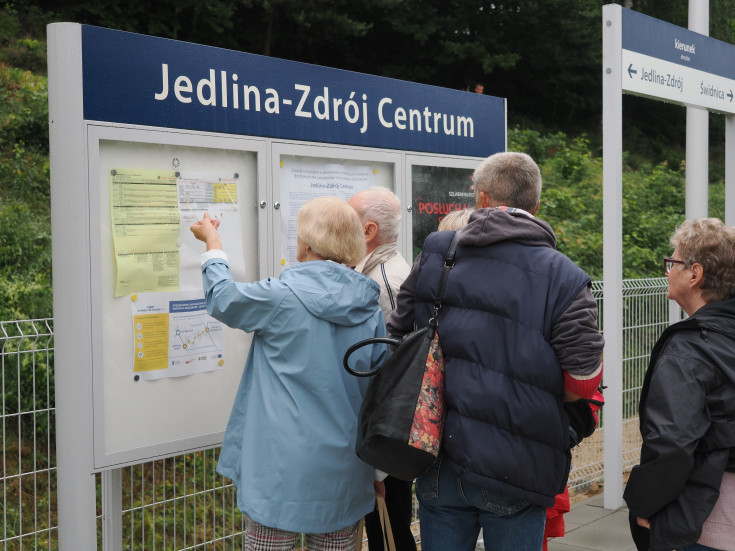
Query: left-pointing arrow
column 631, row 71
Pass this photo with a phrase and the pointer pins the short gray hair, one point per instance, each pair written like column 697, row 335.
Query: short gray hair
column 510, row 179
column 332, row 229
column 380, row 205
column 709, row 242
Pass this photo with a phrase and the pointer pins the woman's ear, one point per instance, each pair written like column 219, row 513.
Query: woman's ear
column 697, row 278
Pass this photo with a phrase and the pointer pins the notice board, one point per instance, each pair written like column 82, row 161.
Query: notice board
column 146, row 135
column 165, row 373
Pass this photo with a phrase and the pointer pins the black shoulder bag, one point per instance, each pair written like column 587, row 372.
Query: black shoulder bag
column 402, row 416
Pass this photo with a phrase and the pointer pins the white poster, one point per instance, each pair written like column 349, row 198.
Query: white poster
column 302, row 181
column 216, row 194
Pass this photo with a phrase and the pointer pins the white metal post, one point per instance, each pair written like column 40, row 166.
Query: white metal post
column 697, row 132
column 72, row 308
column 674, row 312
column 730, row 170
column 612, row 250
column 112, row 510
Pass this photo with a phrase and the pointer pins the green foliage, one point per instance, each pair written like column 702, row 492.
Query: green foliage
column 18, row 45
column 25, row 263
column 571, row 201
column 28, row 376
column 717, row 200
column 25, row 230
column 23, row 110
column 653, row 205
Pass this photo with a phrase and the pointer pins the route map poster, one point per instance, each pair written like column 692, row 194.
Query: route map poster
column 174, row 337
column 437, row 191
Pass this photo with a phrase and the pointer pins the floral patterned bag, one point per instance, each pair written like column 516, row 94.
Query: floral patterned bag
column 402, row 415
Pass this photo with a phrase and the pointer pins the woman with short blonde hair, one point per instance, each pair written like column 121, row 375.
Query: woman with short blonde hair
column 455, row 220
column 289, row 444
column 332, row 229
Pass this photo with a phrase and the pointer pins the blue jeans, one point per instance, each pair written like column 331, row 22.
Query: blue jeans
column 452, row 511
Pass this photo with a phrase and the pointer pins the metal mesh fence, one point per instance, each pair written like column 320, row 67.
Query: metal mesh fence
column 28, row 471
column 646, row 313
column 181, row 503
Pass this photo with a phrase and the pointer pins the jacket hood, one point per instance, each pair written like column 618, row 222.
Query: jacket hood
column 333, row 292
column 493, row 225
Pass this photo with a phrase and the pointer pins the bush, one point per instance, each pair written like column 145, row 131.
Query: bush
column 653, row 205
column 25, row 257
column 571, row 201
column 18, row 47
column 23, row 109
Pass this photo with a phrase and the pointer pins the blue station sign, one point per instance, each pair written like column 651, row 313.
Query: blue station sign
column 664, row 61
column 144, row 80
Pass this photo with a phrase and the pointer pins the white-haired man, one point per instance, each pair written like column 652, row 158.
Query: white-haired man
column 380, row 213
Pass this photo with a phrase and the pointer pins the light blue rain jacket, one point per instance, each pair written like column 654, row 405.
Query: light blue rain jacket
column 289, row 445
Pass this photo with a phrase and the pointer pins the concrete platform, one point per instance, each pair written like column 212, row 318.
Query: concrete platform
column 589, row 526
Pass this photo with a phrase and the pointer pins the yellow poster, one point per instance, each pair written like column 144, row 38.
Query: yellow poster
column 145, row 230
column 151, row 342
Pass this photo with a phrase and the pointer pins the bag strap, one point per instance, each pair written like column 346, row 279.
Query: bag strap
column 357, row 346
column 448, row 265
column 360, row 534
column 388, row 540
column 433, row 322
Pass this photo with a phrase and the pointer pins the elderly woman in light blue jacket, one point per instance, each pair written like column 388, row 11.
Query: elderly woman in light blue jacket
column 289, row 445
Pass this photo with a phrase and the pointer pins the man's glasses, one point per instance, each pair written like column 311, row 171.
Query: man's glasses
column 669, row 263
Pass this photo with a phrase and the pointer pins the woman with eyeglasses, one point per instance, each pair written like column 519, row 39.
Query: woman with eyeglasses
column 682, row 495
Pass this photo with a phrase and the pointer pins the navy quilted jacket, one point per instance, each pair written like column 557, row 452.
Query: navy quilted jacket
column 506, row 429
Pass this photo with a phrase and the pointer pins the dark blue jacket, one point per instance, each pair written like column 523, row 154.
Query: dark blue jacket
column 506, row 429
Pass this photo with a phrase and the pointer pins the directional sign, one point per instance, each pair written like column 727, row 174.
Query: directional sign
column 663, row 61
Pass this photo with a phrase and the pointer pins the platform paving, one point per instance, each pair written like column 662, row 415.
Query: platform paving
column 589, row 526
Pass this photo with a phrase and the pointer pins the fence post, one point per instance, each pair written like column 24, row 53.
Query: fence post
column 112, row 510
column 674, row 312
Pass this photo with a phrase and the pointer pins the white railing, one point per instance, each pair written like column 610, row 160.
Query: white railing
column 181, row 503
